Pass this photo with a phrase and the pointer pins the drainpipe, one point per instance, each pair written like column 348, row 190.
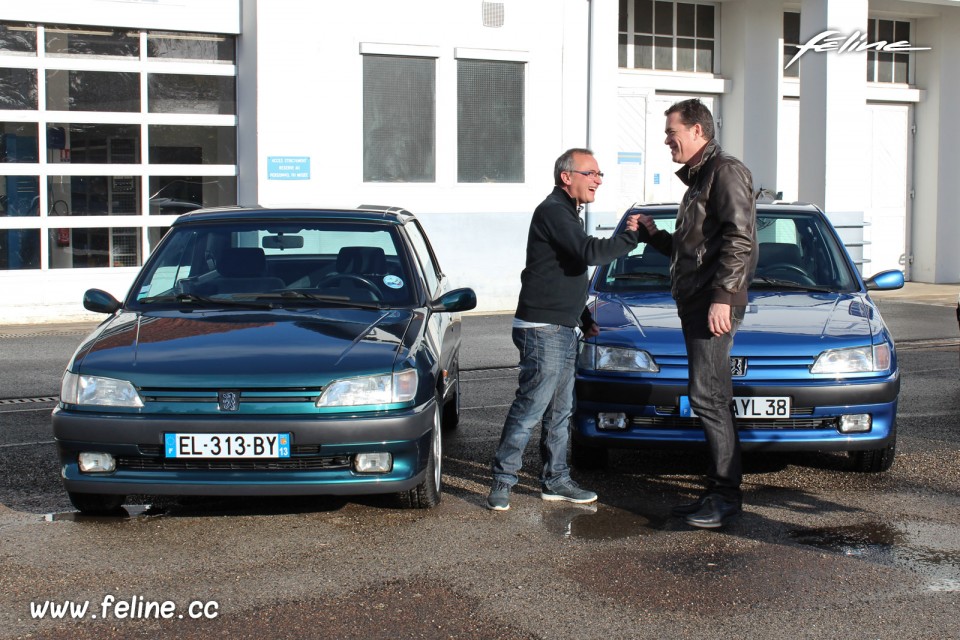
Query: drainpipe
column 588, row 217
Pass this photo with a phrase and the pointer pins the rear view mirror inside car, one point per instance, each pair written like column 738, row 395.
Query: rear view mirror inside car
column 282, row 242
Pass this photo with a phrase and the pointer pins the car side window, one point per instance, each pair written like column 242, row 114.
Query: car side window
column 431, row 271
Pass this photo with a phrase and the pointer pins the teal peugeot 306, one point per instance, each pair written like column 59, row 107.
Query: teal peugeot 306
column 268, row 352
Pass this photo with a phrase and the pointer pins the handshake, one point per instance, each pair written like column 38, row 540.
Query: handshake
column 638, row 220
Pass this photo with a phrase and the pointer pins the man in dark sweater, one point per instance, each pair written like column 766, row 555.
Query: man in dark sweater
column 553, row 294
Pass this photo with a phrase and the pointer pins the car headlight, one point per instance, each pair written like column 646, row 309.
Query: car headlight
column 389, row 388
column 856, row 360
column 602, row 358
column 98, row 391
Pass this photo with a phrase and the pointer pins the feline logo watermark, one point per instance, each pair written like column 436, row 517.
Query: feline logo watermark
column 854, row 43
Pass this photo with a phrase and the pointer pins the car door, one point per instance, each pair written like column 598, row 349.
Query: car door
column 443, row 329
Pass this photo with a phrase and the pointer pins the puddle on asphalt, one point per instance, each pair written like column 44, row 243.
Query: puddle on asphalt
column 931, row 550
column 598, row 522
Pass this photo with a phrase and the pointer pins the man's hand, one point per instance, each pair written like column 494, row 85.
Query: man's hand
column 591, row 330
column 632, row 224
column 718, row 319
column 647, row 222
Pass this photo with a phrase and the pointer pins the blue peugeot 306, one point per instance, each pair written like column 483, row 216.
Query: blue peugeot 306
column 814, row 366
column 268, row 352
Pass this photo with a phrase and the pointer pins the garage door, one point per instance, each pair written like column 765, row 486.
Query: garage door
column 887, row 208
column 887, row 158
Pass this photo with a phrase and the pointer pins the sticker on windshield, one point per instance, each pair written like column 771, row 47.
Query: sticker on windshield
column 394, row 282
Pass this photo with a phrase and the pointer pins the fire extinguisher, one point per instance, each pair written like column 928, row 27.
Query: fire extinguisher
column 63, row 235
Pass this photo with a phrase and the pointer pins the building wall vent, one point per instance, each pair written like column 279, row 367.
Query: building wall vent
column 493, row 14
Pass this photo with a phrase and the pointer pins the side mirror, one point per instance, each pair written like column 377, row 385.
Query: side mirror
column 100, row 301
column 885, row 281
column 456, row 300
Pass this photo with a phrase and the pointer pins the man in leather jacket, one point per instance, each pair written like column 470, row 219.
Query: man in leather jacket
column 713, row 256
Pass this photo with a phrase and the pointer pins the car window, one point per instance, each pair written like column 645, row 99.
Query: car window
column 337, row 260
column 431, row 271
column 796, row 248
column 644, row 268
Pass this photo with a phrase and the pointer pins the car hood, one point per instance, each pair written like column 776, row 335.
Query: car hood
column 248, row 348
column 795, row 322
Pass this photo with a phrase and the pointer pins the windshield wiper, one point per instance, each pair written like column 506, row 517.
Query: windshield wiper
column 790, row 284
column 210, row 302
column 340, row 301
column 642, row 275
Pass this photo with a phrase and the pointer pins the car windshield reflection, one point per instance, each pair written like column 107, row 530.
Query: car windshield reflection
column 797, row 252
column 274, row 264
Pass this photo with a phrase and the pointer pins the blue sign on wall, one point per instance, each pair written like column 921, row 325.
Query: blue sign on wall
column 630, row 157
column 288, row 168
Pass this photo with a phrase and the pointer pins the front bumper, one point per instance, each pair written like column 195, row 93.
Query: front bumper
column 321, row 459
column 654, row 421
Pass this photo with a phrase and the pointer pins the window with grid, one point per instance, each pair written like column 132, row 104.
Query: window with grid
column 490, row 144
column 791, row 40
column 399, row 119
column 82, row 149
column 885, row 66
column 667, row 36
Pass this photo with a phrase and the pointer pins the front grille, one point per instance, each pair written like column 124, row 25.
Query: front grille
column 293, row 463
column 260, row 396
column 674, row 410
column 676, row 422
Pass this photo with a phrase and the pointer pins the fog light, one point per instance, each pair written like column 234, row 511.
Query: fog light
column 96, row 462
column 373, row 462
column 612, row 421
column 855, row 423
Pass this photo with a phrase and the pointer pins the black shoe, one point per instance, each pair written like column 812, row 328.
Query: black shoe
column 715, row 513
column 688, row 508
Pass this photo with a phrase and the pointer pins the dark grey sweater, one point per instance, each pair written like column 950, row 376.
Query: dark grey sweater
column 553, row 285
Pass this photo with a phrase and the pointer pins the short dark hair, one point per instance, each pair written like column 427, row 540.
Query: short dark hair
column 565, row 163
column 694, row 112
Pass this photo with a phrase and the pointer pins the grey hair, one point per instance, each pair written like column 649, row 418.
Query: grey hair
column 565, row 163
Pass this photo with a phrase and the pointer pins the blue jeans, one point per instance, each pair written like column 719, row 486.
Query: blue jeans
column 547, row 365
column 711, row 397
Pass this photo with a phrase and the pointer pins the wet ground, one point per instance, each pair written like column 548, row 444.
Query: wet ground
column 820, row 552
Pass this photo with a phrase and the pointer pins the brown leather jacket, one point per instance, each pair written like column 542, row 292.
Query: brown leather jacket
column 713, row 250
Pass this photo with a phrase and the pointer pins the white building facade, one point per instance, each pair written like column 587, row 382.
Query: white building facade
column 117, row 115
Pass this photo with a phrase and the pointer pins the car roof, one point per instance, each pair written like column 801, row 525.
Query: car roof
column 363, row 213
column 765, row 207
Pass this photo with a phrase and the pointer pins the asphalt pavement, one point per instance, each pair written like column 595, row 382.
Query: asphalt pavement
column 820, row 552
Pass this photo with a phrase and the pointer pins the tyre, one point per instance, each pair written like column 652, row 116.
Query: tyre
column 451, row 409
column 587, row 457
column 876, row 460
column 96, row 504
column 427, row 494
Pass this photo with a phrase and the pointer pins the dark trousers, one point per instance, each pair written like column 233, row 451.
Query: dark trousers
column 711, row 397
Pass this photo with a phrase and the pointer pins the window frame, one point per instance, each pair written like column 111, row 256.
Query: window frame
column 56, row 228
column 370, row 50
column 875, row 59
column 521, row 160
column 628, row 34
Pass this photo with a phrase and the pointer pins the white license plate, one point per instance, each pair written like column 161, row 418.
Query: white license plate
column 227, row 445
column 749, row 407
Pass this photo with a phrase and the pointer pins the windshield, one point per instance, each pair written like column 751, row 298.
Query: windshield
column 798, row 251
column 285, row 263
